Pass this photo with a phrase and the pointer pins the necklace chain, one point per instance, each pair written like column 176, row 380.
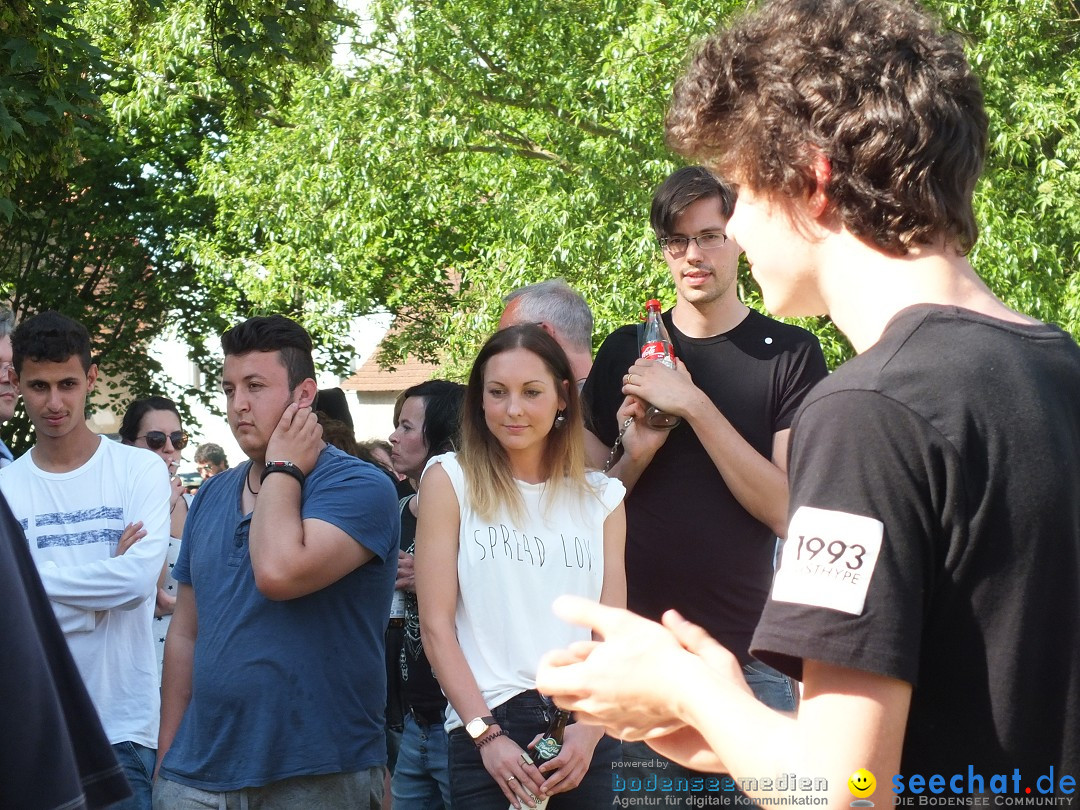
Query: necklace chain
column 247, row 480
column 618, row 441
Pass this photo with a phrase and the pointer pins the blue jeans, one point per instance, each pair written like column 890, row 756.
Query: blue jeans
column 773, row 688
column 137, row 762
column 640, row 764
column 522, row 718
column 421, row 780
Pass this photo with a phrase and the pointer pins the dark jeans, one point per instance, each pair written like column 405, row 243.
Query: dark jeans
column 522, row 718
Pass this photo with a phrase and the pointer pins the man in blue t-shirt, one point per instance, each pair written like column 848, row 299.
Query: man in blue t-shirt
column 274, row 682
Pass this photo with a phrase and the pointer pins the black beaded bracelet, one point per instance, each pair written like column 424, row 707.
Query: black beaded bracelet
column 285, row 467
column 500, row 733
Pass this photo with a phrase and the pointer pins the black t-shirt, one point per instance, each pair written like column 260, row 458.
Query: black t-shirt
column 53, row 751
column 690, row 545
column 935, row 538
column 422, row 692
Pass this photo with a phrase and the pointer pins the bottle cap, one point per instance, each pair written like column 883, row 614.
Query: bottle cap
column 652, row 303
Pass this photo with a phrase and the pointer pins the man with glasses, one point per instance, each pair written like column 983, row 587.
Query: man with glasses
column 8, row 395
column 708, row 498
column 95, row 513
column 210, row 460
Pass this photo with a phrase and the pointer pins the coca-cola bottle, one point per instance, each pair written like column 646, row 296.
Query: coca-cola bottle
column 656, row 345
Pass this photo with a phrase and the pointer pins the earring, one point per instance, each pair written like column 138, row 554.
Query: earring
column 560, row 419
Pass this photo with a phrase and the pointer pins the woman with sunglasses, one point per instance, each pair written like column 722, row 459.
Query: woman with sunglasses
column 154, row 423
column 506, row 525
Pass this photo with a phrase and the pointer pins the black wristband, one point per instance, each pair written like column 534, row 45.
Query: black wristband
column 485, row 740
column 285, row 467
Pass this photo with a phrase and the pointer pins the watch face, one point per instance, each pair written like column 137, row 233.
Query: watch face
column 476, row 727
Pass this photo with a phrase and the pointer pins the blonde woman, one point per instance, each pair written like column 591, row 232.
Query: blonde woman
column 506, row 525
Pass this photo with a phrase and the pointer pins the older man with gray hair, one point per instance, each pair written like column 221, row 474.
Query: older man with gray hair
column 559, row 310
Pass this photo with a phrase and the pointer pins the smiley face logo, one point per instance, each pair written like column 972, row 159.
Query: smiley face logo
column 862, row 783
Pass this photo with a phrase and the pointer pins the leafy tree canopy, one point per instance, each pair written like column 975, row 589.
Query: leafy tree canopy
column 471, row 147
column 223, row 163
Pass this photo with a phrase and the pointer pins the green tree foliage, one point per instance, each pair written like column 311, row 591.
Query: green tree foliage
column 475, row 146
column 100, row 198
column 46, row 92
column 1027, row 53
column 466, row 147
column 94, row 246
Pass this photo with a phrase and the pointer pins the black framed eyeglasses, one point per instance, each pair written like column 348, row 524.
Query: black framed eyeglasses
column 155, row 439
column 677, row 245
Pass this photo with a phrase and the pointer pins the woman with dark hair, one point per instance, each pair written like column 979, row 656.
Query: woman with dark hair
column 154, row 423
column 506, row 524
column 427, row 422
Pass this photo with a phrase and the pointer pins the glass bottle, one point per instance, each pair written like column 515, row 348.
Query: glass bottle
column 656, row 345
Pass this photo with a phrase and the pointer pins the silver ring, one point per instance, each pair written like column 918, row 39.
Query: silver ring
column 526, row 759
column 511, row 779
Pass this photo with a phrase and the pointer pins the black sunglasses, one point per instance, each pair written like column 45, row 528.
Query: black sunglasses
column 155, row 439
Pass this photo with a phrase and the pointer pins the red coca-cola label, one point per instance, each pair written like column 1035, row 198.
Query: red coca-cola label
column 654, row 350
column 659, row 350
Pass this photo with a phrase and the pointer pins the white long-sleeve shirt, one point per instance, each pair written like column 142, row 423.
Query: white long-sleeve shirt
column 105, row 603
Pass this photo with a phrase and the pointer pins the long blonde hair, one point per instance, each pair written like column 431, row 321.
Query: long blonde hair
column 490, row 482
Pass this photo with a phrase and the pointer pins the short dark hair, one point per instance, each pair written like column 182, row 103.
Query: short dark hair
column 443, row 400
column 50, row 336
column 334, row 403
column 270, row 333
column 682, row 189
column 133, row 416
column 874, row 86
column 212, row 453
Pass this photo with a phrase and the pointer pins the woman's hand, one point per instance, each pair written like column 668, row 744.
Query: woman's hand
column 520, row 782
column 177, row 493
column 565, row 771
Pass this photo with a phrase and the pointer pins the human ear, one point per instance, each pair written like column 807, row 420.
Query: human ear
column 818, row 203
column 305, row 393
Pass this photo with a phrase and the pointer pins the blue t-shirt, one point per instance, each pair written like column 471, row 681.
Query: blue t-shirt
column 290, row 688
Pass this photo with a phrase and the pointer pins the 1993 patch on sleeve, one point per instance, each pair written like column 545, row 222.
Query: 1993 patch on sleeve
column 828, row 559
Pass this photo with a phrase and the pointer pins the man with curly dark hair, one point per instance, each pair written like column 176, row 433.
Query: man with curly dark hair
column 928, row 592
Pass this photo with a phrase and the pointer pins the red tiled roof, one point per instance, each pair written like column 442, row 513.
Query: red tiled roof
column 373, row 377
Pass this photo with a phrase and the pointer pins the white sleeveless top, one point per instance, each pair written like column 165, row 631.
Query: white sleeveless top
column 509, row 573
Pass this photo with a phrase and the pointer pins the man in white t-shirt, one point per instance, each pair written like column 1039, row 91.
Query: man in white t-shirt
column 95, row 513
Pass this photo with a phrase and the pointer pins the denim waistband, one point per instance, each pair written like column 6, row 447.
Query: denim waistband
column 428, row 717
